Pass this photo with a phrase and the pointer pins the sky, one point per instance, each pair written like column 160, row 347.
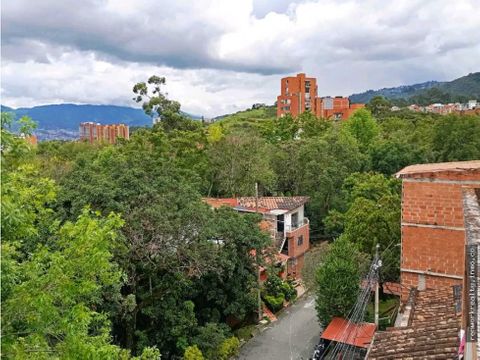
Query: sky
column 221, row 56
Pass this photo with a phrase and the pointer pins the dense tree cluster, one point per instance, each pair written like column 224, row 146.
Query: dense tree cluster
column 110, row 250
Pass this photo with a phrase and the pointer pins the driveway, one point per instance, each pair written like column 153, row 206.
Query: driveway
column 292, row 337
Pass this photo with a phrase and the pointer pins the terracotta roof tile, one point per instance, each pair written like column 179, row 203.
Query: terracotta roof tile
column 265, row 204
column 432, row 333
column 274, row 202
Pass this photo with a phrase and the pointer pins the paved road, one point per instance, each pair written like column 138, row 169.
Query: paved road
column 292, row 337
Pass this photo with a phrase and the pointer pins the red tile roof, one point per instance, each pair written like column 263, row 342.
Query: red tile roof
column 439, row 167
column 265, row 204
column 341, row 330
column 432, row 332
column 274, row 202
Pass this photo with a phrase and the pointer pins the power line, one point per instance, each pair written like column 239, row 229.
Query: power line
column 355, row 316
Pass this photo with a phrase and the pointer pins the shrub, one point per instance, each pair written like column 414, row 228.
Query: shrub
column 289, row 291
column 193, row 353
column 210, row 337
column 274, row 303
column 273, row 285
column 229, row 348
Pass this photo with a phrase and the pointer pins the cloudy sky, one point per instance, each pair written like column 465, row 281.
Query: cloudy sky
column 221, row 56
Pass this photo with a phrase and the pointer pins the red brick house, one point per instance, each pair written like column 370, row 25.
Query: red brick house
column 284, row 219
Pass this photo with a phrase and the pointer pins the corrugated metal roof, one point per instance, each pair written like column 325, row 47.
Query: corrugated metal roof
column 343, row 331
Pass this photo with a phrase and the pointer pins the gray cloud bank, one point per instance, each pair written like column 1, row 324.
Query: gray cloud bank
column 221, row 55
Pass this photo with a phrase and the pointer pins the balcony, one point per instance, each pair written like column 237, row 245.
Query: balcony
column 280, row 237
column 294, row 227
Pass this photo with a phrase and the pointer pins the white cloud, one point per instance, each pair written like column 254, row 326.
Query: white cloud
column 220, row 56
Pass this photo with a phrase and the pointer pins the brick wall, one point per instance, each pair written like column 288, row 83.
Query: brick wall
column 433, row 249
column 433, row 235
column 297, row 252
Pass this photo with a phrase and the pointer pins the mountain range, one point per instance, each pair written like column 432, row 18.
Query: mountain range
column 464, row 87
column 61, row 121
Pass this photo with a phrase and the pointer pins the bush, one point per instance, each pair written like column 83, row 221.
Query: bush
column 229, row 348
column 193, row 353
column 210, row 337
column 273, row 284
column 274, row 303
column 289, row 291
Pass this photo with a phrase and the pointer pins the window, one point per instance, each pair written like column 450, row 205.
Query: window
column 300, row 240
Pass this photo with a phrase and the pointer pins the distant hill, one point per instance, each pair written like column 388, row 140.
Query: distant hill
column 61, row 121
column 466, row 87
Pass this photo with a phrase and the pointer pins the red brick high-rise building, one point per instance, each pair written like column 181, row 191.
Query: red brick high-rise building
column 108, row 133
column 299, row 94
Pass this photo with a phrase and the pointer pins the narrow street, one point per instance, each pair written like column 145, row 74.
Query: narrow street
column 292, row 337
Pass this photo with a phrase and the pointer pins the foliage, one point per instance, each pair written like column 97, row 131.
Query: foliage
column 311, row 126
column 193, row 353
column 282, row 129
column 158, row 107
column 390, row 156
column 372, row 217
column 363, row 127
column 210, row 339
column 456, row 138
column 275, row 287
column 58, row 291
column 229, row 348
column 274, row 302
column 379, row 105
column 239, row 161
column 335, row 297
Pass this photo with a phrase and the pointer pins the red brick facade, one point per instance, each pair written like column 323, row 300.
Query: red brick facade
column 433, row 234
column 299, row 94
column 296, row 251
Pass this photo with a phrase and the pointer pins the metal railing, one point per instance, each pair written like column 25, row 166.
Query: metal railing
column 293, row 227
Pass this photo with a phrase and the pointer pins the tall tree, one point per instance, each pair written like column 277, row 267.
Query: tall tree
column 238, row 161
column 363, row 127
column 335, row 297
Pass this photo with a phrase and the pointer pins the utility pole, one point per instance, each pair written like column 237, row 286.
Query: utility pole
column 260, row 315
column 378, row 264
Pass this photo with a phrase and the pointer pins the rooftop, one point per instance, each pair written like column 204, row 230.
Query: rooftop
column 265, row 204
column 439, row 167
column 341, row 330
column 432, row 332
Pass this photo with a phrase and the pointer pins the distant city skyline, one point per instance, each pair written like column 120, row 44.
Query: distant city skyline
column 220, row 57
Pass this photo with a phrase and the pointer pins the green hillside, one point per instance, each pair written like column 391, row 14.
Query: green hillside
column 247, row 119
column 458, row 90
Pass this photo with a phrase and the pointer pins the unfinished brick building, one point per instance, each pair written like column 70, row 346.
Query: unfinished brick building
column 300, row 93
column 433, row 229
